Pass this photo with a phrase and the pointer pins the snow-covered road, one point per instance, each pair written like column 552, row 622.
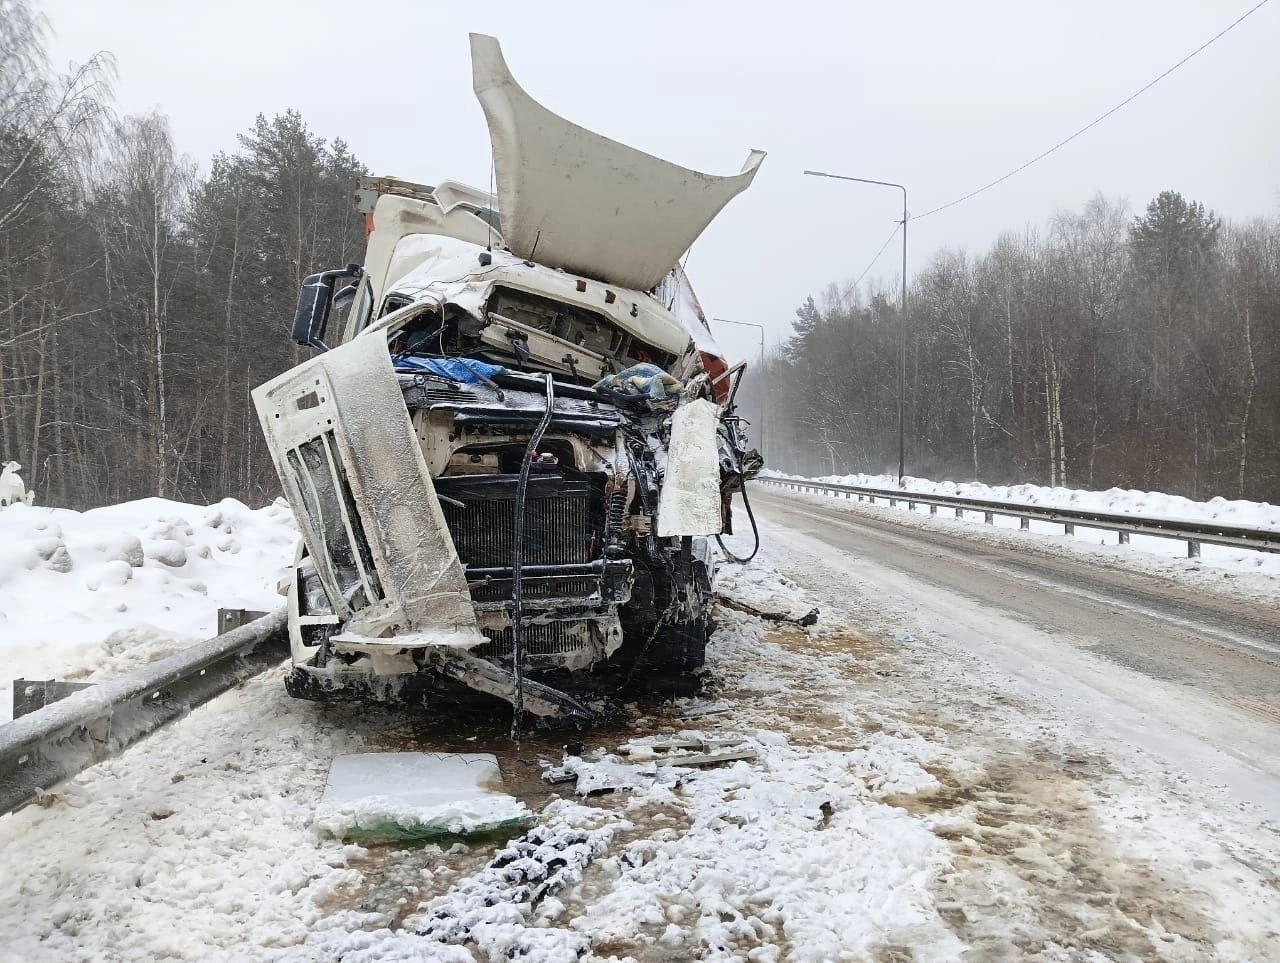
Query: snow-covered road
column 1187, row 674
column 944, row 773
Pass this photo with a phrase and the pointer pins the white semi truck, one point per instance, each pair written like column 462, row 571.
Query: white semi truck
column 507, row 460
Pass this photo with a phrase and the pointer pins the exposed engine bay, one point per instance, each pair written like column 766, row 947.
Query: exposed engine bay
column 508, row 470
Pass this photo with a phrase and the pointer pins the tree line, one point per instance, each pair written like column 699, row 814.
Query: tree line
column 1105, row 349
column 140, row 300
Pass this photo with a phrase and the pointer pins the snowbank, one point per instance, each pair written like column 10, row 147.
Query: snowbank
column 109, row 589
column 1124, row 500
column 1260, row 515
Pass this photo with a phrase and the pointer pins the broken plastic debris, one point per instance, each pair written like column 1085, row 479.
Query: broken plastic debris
column 690, row 749
column 705, row 709
column 809, row 618
column 384, row 796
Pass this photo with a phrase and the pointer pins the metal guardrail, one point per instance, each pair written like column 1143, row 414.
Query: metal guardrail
column 1194, row 533
column 40, row 750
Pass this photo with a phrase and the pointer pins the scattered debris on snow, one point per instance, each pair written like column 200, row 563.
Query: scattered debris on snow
column 493, row 908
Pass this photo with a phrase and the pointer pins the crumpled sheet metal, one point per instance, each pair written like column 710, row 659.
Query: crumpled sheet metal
column 417, row 564
column 690, row 499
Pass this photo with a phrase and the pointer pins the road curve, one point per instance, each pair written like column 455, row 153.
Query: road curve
column 1191, row 676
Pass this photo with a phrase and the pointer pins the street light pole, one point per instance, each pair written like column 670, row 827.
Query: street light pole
column 764, row 409
column 902, row 322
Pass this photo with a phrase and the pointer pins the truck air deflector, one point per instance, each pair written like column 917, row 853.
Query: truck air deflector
column 573, row 199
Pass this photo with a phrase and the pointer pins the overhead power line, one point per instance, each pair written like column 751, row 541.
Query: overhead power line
column 1093, row 123
column 878, row 253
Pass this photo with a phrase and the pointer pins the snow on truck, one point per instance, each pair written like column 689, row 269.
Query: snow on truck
column 507, row 462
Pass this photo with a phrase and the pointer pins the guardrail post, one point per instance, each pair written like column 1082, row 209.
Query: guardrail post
column 911, row 506
column 1024, row 523
column 1193, row 548
column 933, row 509
column 1068, row 528
column 893, row 503
column 859, row 496
column 989, row 517
column 1124, row 537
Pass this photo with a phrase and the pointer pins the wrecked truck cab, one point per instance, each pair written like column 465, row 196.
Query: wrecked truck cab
column 506, row 468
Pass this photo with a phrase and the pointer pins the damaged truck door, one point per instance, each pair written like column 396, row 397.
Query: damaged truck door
column 505, row 473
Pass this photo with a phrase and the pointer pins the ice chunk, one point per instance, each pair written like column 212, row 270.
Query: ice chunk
column 373, row 796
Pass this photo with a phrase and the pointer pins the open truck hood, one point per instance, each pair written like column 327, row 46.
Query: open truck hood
column 573, row 199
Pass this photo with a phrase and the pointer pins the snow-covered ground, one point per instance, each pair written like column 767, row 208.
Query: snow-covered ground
column 907, row 802
column 111, row 588
column 1261, row 515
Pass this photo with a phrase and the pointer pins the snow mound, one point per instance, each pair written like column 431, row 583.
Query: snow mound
column 155, row 570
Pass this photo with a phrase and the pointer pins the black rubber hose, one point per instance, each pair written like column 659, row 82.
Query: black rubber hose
column 517, row 633
column 755, row 531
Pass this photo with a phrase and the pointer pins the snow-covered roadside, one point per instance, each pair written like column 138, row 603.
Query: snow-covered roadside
column 105, row 590
column 1239, row 572
column 1122, row 500
column 200, row 844
column 1260, row 515
column 908, row 801
column 1070, row 839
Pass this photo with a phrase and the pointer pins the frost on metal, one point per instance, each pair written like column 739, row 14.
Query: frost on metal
column 354, row 474
column 690, row 502
column 481, row 501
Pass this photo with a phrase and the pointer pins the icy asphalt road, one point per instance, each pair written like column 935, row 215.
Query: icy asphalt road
column 1190, row 677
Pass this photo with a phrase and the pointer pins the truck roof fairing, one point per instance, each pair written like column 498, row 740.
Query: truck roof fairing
column 574, row 199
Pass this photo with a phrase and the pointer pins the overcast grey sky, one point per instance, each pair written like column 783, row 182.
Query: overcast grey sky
column 941, row 96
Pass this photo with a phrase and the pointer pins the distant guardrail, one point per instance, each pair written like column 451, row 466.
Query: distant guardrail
column 64, row 738
column 1194, row 533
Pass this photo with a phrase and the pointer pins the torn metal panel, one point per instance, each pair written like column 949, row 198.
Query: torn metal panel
column 690, row 501
column 449, row 267
column 573, row 199
column 354, row 473
column 483, row 676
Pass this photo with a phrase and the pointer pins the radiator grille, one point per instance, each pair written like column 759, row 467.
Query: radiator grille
column 568, row 586
column 556, row 523
column 551, row 638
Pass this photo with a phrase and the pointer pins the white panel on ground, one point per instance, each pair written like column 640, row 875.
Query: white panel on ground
column 690, row 500
column 416, row 795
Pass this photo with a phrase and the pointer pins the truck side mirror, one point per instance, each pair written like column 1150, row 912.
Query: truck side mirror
column 314, row 300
